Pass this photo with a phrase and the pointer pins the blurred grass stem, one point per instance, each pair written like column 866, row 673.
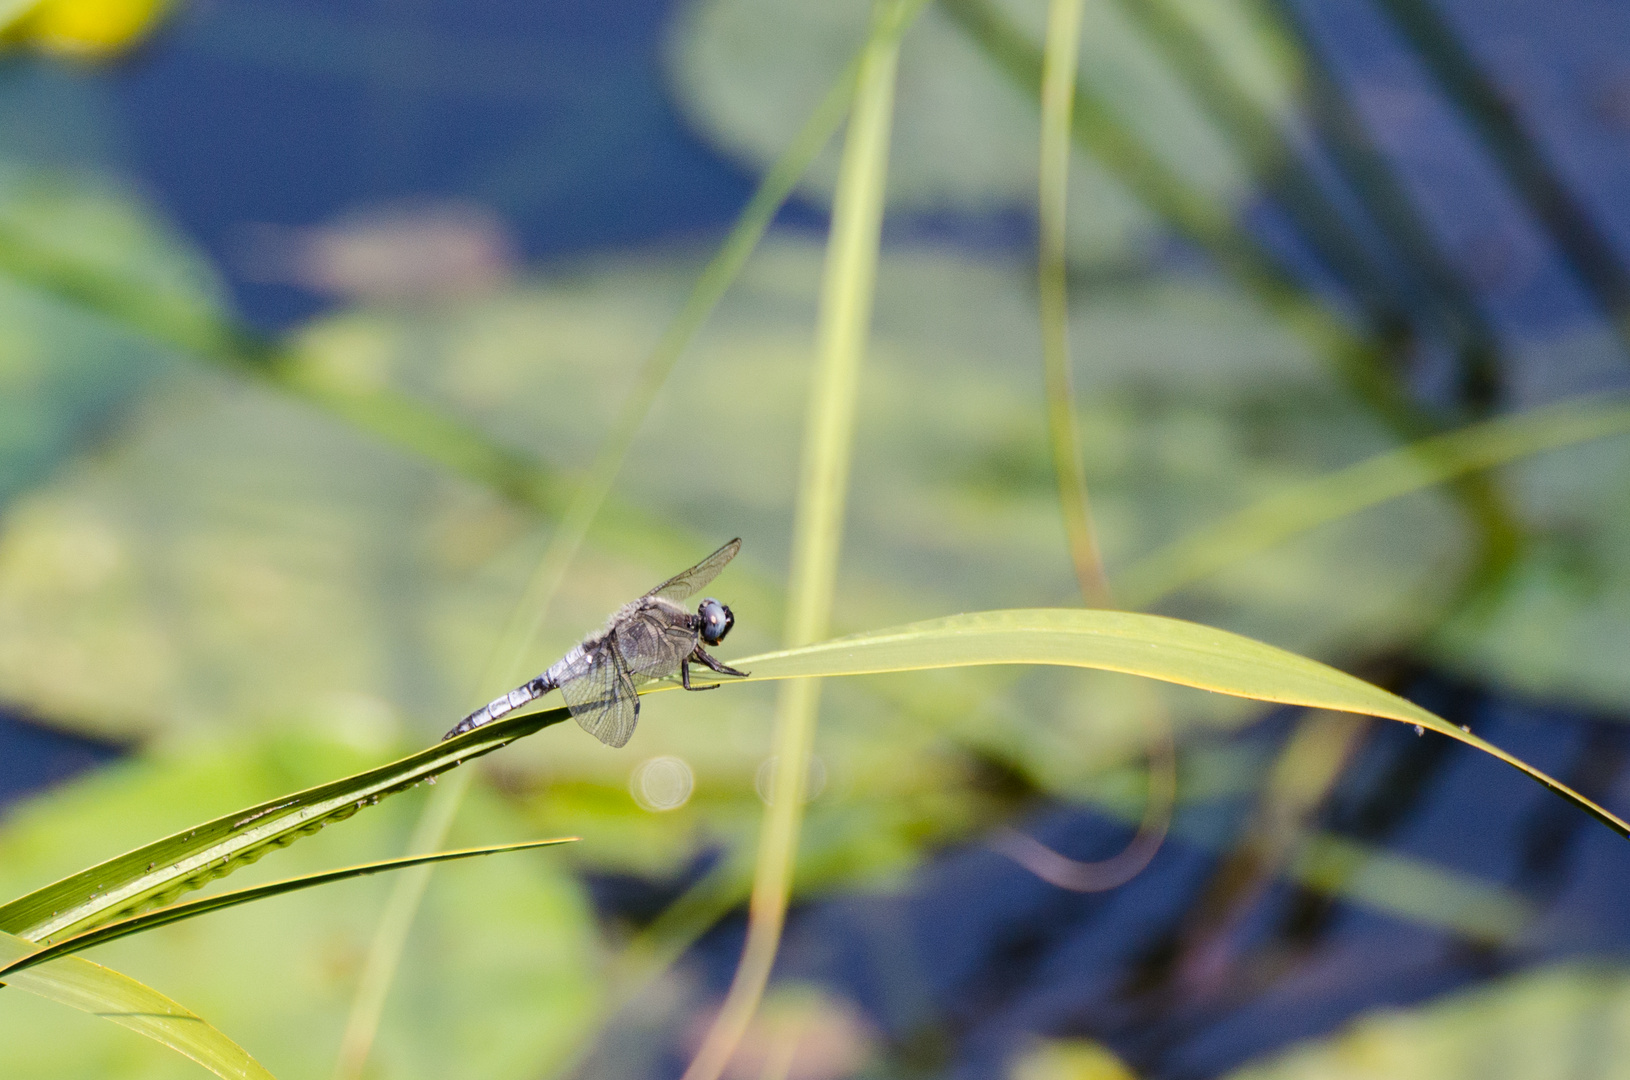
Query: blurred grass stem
column 1365, row 484
column 1060, row 61
column 1057, row 99
column 390, row 937
column 844, row 320
column 1303, row 774
column 516, row 643
column 1363, row 362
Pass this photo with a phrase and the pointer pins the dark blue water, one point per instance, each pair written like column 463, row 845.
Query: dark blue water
column 292, row 112
column 974, row 956
column 33, row 756
column 555, row 117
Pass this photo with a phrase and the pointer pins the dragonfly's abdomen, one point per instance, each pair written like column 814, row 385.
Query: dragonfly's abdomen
column 575, row 664
column 511, row 701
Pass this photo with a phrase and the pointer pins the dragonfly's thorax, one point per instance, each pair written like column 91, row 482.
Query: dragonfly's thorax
column 636, row 633
column 669, row 610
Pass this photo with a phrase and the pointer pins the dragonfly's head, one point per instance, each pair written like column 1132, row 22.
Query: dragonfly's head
column 716, row 621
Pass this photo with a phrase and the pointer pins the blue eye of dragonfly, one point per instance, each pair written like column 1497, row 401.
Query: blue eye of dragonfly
column 717, row 620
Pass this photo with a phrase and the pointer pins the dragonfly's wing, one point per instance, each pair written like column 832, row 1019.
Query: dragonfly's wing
column 652, row 642
column 603, row 698
column 696, row 578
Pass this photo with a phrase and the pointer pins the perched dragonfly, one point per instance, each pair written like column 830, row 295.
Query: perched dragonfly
column 646, row 639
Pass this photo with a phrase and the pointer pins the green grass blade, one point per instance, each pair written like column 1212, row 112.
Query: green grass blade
column 36, row 258
column 153, row 875
column 103, row 992
column 1152, row 646
column 1410, row 888
column 193, row 908
column 843, row 325
column 1058, row 80
column 1102, row 134
column 1368, row 483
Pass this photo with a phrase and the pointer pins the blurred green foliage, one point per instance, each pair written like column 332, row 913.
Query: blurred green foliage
column 240, row 578
column 501, row 976
column 63, row 375
column 232, row 560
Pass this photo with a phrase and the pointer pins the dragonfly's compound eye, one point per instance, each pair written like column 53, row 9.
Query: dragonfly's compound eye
column 716, row 621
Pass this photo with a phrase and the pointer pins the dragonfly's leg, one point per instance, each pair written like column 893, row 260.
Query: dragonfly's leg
column 701, row 656
column 684, row 677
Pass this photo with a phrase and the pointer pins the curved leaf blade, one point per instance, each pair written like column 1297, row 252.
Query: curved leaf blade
column 191, row 909
column 100, row 991
column 153, row 875
column 1152, row 646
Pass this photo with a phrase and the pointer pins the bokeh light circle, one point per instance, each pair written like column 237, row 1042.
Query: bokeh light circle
column 662, row 783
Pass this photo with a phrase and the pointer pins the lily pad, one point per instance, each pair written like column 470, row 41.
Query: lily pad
column 965, row 137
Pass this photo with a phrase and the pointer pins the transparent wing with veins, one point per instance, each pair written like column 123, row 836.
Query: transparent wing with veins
column 603, row 699
column 696, row 578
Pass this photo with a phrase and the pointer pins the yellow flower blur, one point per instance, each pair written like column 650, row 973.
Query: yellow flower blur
column 89, row 28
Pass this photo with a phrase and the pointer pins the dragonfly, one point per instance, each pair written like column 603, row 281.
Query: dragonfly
column 644, row 640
